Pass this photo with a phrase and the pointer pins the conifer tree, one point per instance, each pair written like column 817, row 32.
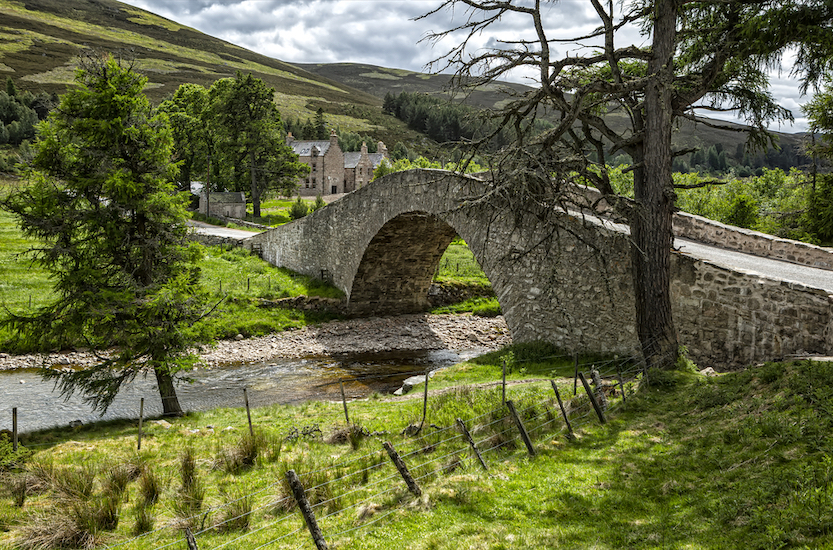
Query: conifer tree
column 112, row 234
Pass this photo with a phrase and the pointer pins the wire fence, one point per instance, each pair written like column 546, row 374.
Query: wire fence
column 355, row 493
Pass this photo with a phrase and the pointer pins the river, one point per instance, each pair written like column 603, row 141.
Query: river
column 283, row 381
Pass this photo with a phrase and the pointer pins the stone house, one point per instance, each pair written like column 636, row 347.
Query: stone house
column 331, row 170
column 358, row 167
column 228, row 204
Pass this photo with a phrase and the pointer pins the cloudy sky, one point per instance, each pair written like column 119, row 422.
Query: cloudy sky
column 380, row 32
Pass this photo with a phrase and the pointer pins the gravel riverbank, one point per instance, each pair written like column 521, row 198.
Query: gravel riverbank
column 369, row 335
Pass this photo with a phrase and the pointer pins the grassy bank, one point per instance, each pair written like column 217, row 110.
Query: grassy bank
column 739, row 461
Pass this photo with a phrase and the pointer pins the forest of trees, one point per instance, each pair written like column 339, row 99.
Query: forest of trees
column 316, row 129
column 445, row 121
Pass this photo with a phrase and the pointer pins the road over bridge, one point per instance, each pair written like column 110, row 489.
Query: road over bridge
column 562, row 278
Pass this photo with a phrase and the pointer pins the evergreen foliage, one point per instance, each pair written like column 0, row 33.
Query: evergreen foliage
column 299, row 209
column 112, row 236
column 20, row 113
column 250, row 139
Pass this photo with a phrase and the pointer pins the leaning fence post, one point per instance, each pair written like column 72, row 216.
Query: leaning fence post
column 570, row 434
column 14, row 429
column 471, row 443
column 141, row 415
column 575, row 374
column 306, row 510
column 190, row 540
column 344, row 402
column 592, row 397
column 503, row 386
column 525, row 436
column 248, row 411
column 403, row 469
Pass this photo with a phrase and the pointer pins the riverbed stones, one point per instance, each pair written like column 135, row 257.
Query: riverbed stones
column 374, row 334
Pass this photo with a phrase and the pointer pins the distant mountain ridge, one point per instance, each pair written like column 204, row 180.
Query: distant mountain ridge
column 41, row 39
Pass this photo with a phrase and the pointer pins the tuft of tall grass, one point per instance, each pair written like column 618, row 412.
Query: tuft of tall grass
column 74, row 482
column 150, row 487
column 189, row 500
column 237, row 511
column 144, row 518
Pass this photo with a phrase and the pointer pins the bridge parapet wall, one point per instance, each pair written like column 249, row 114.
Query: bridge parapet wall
column 704, row 230
column 732, row 319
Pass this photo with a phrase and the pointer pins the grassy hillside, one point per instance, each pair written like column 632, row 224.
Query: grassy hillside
column 40, row 41
column 738, row 461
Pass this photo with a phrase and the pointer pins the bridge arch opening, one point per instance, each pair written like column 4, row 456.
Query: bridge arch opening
column 399, row 264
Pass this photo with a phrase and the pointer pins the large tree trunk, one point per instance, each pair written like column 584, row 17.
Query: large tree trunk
column 167, row 391
column 651, row 228
column 255, row 189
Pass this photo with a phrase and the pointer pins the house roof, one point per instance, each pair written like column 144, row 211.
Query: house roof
column 304, row 148
column 351, row 160
column 376, row 158
column 230, row 197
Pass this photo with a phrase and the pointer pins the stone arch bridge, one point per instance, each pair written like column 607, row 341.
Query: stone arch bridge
column 558, row 277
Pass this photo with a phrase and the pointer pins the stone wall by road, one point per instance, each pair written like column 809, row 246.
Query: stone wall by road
column 704, row 230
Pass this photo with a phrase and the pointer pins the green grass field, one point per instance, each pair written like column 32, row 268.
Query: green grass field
column 738, row 461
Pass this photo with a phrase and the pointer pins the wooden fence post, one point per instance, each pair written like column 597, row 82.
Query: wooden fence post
column 344, row 402
column 248, row 412
column 592, row 397
column 424, row 401
column 141, row 415
column 503, row 385
column 575, row 374
column 570, row 434
column 190, row 540
column 466, row 433
column 14, row 429
column 622, row 387
column 306, row 510
column 403, row 469
column 525, row 436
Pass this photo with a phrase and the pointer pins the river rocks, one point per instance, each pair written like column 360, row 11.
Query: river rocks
column 366, row 335
column 411, row 383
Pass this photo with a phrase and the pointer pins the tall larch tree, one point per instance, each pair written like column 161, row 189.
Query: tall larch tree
column 112, row 233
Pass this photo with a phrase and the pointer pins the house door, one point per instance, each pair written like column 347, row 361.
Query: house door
column 334, row 189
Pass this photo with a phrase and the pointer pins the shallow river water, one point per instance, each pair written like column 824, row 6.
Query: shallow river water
column 282, row 381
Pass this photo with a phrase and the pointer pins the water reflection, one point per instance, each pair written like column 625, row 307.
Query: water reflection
column 284, row 381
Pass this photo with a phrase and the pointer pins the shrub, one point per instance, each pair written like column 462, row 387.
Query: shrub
column 299, row 209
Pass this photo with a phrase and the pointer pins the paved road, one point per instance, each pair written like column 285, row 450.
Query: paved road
column 208, row 229
column 775, row 269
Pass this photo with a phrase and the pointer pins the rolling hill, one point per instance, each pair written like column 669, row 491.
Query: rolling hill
column 40, row 41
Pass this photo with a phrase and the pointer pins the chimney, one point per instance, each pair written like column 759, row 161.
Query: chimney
column 289, row 138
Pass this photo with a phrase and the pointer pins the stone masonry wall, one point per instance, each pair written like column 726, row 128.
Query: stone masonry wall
column 558, row 278
column 704, row 230
column 733, row 319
